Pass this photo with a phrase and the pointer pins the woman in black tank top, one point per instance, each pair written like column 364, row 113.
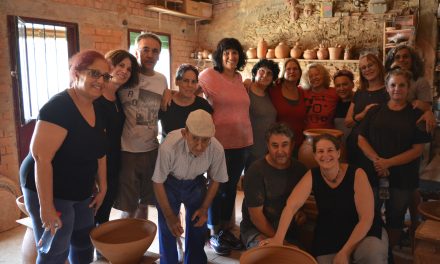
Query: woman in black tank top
column 347, row 228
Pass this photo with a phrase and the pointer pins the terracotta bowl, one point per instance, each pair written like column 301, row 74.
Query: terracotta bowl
column 124, row 241
column 430, row 210
column 276, row 254
column 20, row 204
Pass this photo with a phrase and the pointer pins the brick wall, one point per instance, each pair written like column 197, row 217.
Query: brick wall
column 101, row 27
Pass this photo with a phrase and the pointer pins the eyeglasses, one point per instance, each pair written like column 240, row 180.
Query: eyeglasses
column 366, row 67
column 95, row 74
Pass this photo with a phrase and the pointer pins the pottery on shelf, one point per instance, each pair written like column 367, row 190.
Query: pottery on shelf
column 309, row 54
column 297, row 51
column 124, row 240
column 282, row 51
column 276, row 254
column 335, row 52
column 261, row 49
column 322, row 53
column 305, row 153
column 270, row 54
column 251, row 53
column 347, row 54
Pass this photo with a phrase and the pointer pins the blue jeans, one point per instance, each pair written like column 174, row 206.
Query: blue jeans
column 191, row 193
column 73, row 239
column 223, row 203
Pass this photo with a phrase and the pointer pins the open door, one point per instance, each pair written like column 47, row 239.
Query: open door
column 39, row 52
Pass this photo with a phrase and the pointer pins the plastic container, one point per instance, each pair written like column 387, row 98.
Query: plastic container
column 384, row 188
column 47, row 239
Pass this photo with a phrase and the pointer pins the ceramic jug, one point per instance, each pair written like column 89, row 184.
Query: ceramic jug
column 282, row 51
column 262, row 49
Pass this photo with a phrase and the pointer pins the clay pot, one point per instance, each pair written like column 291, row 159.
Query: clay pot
column 276, row 254
column 305, row 153
column 124, row 240
column 270, row 54
column 322, row 54
column 20, row 203
column 282, row 51
column 251, row 53
column 309, row 54
column 347, row 54
column 205, row 54
column 262, row 49
column 296, row 51
column 335, row 52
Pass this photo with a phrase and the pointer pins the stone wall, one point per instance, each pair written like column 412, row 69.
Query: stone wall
column 101, row 27
column 251, row 20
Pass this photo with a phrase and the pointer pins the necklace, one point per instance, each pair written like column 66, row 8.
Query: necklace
column 335, row 179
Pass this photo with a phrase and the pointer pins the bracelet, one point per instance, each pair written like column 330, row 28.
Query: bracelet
column 354, row 118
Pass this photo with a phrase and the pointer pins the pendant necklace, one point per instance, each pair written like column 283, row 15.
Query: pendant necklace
column 334, row 180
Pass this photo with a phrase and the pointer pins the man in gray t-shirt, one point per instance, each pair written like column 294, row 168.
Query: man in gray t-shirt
column 139, row 142
column 267, row 185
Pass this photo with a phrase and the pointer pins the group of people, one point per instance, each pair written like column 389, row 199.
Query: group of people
column 95, row 147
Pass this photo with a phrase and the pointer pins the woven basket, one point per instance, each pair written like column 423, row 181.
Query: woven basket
column 9, row 211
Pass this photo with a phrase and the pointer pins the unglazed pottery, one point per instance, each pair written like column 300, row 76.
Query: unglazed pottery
column 305, row 153
column 322, row 53
column 251, row 53
column 335, row 52
column 276, row 254
column 282, row 51
column 297, row 51
column 262, row 49
column 270, row 54
column 124, row 241
column 309, row 54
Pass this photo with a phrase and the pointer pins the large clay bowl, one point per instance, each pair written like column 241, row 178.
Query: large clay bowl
column 305, row 153
column 276, row 254
column 124, row 241
column 20, row 204
column 430, row 210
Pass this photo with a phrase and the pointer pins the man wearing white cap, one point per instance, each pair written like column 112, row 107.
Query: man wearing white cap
column 184, row 156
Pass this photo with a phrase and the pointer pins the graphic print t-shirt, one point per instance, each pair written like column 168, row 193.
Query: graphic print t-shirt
column 141, row 106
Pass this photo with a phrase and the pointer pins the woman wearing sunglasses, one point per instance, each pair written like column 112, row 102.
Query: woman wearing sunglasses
column 68, row 151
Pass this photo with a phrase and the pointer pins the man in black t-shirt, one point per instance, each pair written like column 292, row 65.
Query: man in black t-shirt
column 267, row 185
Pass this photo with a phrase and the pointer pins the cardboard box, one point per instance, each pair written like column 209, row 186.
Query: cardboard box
column 191, row 7
column 205, row 10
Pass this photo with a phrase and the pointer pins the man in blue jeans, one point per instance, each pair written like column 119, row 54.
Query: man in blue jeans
column 184, row 156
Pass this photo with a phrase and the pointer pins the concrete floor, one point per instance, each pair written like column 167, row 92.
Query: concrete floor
column 10, row 241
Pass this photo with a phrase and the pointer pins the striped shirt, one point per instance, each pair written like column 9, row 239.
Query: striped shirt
column 176, row 159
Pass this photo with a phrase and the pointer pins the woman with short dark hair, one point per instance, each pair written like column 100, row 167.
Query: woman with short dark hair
column 261, row 111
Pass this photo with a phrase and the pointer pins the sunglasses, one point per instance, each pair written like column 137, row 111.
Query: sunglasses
column 95, row 74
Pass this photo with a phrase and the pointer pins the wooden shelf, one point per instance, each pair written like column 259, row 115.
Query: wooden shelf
column 163, row 10
column 403, row 30
column 304, row 60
